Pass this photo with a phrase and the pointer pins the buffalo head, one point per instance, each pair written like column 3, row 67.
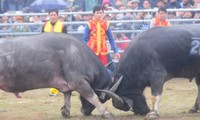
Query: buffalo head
column 133, row 99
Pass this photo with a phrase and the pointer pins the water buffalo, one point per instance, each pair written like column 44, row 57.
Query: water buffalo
column 54, row 60
column 152, row 58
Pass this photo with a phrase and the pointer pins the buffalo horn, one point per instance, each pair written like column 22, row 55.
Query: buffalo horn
column 113, row 95
column 116, row 85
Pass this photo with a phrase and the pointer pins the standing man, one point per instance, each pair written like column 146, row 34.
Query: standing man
column 160, row 19
column 54, row 25
column 95, row 35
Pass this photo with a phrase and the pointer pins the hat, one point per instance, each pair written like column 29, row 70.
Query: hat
column 136, row 1
column 106, row 2
column 61, row 16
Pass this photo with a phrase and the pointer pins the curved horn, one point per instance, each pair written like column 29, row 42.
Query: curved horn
column 116, row 85
column 113, row 95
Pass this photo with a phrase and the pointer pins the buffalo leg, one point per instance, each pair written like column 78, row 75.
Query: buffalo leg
column 196, row 106
column 87, row 107
column 87, row 92
column 65, row 110
column 156, row 83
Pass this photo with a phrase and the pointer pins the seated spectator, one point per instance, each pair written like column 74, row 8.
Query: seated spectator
column 122, row 7
column 196, row 4
column 186, row 4
column 146, row 5
column 5, row 20
column 19, row 28
column 118, row 3
column 188, row 15
column 173, row 4
column 160, row 4
column 129, row 5
column 135, row 4
column 172, row 15
column 107, row 5
column 35, row 28
column 197, row 16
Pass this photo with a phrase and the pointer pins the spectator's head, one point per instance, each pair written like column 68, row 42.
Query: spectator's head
column 53, row 16
column 19, row 18
column 162, row 13
column 171, row 15
column 146, row 4
column 188, row 14
column 185, row 2
column 106, row 3
column 61, row 18
column 122, row 7
column 135, row 3
column 160, row 3
column 4, row 19
column 118, row 3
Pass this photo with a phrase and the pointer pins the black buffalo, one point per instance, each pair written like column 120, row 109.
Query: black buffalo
column 152, row 58
column 54, row 60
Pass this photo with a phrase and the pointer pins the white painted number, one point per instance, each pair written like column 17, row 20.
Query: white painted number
column 195, row 50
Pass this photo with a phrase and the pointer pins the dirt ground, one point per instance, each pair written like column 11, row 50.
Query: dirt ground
column 178, row 96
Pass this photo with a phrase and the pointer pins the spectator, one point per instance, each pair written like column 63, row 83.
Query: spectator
column 37, row 26
column 160, row 19
column 19, row 28
column 95, row 35
column 4, row 20
column 186, row 4
column 118, row 3
column 197, row 16
column 54, row 25
column 153, row 3
column 129, row 5
column 107, row 6
column 188, row 15
column 160, row 4
column 173, row 4
column 122, row 7
column 135, row 4
column 196, row 4
column 61, row 18
column 146, row 5
column 172, row 15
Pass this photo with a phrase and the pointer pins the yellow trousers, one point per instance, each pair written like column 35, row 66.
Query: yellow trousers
column 53, row 91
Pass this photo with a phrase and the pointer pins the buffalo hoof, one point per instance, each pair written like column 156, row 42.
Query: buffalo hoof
column 86, row 113
column 65, row 113
column 87, row 110
column 152, row 116
column 192, row 110
column 108, row 115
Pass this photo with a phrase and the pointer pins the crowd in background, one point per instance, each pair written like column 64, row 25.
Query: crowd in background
column 87, row 5
column 22, row 6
